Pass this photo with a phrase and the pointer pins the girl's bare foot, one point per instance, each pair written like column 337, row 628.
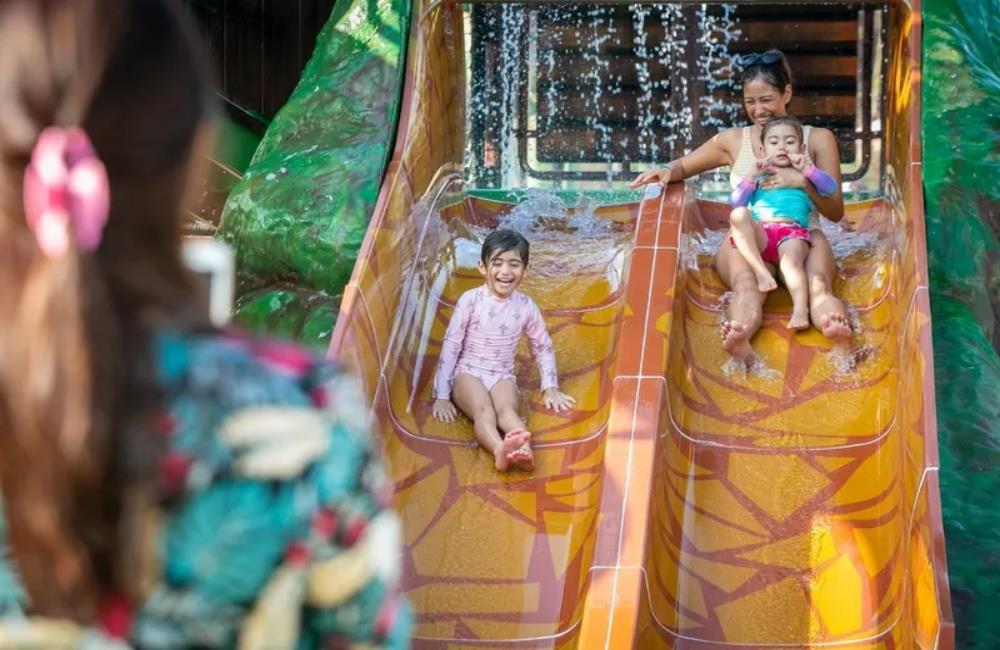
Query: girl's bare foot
column 523, row 458
column 511, row 443
column 799, row 320
column 836, row 327
column 735, row 340
column 765, row 281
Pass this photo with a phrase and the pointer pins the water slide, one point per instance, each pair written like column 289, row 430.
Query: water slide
column 679, row 505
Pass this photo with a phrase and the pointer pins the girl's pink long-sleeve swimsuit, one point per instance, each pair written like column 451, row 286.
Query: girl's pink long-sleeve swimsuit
column 482, row 338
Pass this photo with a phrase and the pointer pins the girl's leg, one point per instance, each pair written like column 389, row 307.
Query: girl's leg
column 792, row 255
column 828, row 313
column 505, row 401
column 745, row 310
column 750, row 240
column 472, row 398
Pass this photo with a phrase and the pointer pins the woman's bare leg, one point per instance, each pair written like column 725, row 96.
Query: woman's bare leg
column 745, row 310
column 505, row 400
column 472, row 398
column 750, row 240
column 828, row 313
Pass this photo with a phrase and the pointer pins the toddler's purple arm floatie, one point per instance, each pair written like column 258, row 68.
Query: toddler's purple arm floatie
column 741, row 195
column 823, row 182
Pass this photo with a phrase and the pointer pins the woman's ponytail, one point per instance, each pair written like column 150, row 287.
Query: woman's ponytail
column 86, row 86
column 52, row 462
column 54, row 456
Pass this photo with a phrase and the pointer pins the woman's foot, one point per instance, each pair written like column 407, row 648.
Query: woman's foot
column 735, row 340
column 829, row 315
column 799, row 319
column 836, row 327
column 523, row 458
column 765, row 281
column 504, row 454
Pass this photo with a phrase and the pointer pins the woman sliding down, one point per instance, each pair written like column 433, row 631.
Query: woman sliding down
column 770, row 226
column 767, row 89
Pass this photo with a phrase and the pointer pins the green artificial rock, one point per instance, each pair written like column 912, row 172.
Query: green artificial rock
column 288, row 312
column 298, row 217
column 961, row 121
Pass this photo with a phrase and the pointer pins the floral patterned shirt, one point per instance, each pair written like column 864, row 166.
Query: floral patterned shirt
column 272, row 518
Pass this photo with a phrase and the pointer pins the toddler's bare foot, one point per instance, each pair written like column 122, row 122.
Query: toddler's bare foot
column 523, row 458
column 765, row 281
column 511, row 443
column 735, row 340
column 836, row 328
column 799, row 320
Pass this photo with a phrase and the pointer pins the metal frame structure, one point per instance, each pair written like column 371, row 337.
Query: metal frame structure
column 861, row 131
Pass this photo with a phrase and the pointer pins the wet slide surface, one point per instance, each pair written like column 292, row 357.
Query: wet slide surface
column 782, row 508
column 506, row 555
column 680, row 505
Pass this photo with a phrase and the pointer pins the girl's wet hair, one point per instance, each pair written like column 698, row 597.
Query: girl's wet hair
column 777, row 73
column 787, row 120
column 78, row 400
column 503, row 240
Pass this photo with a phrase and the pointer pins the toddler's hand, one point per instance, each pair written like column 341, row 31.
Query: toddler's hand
column 800, row 161
column 444, row 410
column 761, row 168
column 556, row 400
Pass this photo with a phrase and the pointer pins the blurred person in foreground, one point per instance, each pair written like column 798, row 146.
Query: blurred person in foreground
column 164, row 484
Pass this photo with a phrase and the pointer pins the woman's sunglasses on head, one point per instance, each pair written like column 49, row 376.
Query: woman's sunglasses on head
column 766, row 58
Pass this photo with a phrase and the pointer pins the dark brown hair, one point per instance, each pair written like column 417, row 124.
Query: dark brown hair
column 75, row 330
column 502, row 240
column 777, row 74
column 787, row 120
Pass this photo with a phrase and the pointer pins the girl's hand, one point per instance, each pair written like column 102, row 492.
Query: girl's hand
column 783, row 177
column 556, row 400
column 801, row 161
column 760, row 167
column 444, row 410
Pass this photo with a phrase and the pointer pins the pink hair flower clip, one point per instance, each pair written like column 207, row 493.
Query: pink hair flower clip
column 65, row 190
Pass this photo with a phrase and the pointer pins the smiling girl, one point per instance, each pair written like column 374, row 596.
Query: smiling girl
column 476, row 367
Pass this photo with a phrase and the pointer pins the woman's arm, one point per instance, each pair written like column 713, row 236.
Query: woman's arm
column 718, row 151
column 825, row 153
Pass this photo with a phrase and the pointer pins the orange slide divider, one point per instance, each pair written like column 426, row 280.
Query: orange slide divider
column 678, row 506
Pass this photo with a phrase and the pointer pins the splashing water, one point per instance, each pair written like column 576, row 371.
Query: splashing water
column 706, row 242
column 540, row 210
column 755, row 368
column 717, row 66
column 567, row 242
column 845, row 362
column 844, row 242
column 565, row 95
